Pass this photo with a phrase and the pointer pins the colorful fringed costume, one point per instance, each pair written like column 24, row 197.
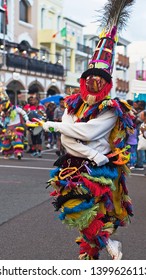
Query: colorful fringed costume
column 92, row 198
column 89, row 181
column 12, row 134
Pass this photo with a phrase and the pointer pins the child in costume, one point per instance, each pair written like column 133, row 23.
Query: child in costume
column 12, row 130
column 89, row 181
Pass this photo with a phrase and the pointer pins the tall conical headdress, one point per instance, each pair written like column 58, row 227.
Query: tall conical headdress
column 114, row 17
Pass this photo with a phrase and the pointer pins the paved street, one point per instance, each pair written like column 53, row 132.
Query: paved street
column 29, row 227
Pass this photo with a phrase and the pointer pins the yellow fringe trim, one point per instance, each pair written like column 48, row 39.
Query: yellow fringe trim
column 18, row 146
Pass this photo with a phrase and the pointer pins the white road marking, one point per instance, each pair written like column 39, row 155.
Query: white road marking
column 25, row 167
column 32, row 158
column 47, row 168
column 136, row 174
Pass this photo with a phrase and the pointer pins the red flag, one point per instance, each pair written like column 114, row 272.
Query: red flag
column 63, row 33
column 6, row 11
column 54, row 35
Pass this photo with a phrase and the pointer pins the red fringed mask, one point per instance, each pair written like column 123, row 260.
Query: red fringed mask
column 100, row 89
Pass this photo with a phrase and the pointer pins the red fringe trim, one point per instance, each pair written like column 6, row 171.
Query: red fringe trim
column 95, row 188
column 99, row 95
column 86, row 248
column 93, row 228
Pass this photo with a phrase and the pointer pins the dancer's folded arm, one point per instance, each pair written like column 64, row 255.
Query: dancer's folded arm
column 92, row 130
column 79, row 149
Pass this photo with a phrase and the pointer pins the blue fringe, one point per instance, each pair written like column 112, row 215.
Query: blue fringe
column 117, row 223
column 101, row 242
column 16, row 143
column 129, row 208
column 108, row 203
column 63, row 183
column 121, row 144
column 90, row 111
column 54, row 172
column 6, row 145
column 104, row 171
column 82, row 206
column 75, row 102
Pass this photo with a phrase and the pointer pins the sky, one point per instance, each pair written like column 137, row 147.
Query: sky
column 85, row 12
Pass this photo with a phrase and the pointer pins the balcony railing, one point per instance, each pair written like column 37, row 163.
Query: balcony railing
column 30, row 64
column 122, row 85
column 122, row 61
column 85, row 49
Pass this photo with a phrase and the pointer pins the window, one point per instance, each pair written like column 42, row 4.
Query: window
column 42, row 18
column 3, row 26
column 23, row 9
column 58, row 22
column 50, row 19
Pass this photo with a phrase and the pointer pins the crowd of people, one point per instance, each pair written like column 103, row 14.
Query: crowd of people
column 21, row 126
column 37, row 139
column 137, row 157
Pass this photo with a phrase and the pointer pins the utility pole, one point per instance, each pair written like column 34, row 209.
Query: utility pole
column 2, row 11
column 142, row 68
column 66, row 47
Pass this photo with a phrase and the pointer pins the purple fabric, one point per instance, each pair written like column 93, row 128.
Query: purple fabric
column 132, row 139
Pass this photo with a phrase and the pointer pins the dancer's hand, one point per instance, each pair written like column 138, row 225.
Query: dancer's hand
column 49, row 126
column 100, row 159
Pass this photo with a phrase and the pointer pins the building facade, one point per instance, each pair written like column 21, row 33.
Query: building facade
column 23, row 71
column 44, row 52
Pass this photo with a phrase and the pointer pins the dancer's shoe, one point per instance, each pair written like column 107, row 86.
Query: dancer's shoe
column 114, row 248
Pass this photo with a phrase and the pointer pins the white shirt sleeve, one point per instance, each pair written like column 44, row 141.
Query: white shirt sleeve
column 90, row 131
column 79, row 149
column 22, row 112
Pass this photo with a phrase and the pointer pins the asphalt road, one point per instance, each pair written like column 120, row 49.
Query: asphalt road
column 31, row 230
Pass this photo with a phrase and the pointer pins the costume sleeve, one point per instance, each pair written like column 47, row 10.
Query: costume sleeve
column 79, row 149
column 93, row 130
column 22, row 112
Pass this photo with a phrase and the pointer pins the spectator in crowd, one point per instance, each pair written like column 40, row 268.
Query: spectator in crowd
column 35, row 141
column 37, row 138
column 51, row 137
column 135, row 105
column 132, row 141
column 143, row 125
column 29, row 106
column 50, row 111
column 140, row 153
column 143, row 129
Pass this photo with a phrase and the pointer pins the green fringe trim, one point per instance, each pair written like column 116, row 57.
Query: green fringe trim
column 127, row 198
column 126, row 220
column 106, row 226
column 102, row 180
column 84, row 220
column 13, row 114
column 126, row 170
